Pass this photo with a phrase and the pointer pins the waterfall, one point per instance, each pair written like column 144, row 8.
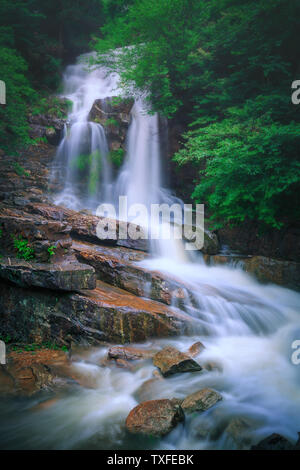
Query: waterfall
column 81, row 164
column 247, row 327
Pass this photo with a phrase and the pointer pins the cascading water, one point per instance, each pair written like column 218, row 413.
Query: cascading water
column 81, row 165
column 247, row 328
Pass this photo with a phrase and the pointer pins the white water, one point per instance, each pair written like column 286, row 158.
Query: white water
column 247, row 328
column 81, row 164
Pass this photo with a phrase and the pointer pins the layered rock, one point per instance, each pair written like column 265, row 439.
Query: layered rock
column 119, row 272
column 67, row 276
column 38, row 232
column 103, row 314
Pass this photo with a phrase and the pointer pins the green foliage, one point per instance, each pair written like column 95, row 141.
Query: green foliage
column 89, row 167
column 51, row 251
column 34, row 347
column 13, row 120
column 20, row 170
column 37, row 38
column 116, row 157
column 224, row 69
column 111, row 122
column 24, row 250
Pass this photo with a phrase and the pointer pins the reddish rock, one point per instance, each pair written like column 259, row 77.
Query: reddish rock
column 90, row 317
column 154, row 418
column 171, row 361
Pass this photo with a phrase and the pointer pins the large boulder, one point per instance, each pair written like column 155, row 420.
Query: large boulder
column 90, row 317
column 171, row 361
column 154, row 418
column 69, row 276
column 201, row 400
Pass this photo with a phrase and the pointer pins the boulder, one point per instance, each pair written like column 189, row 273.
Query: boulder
column 171, row 361
column 201, row 400
column 273, row 442
column 70, row 276
column 237, row 433
column 129, row 353
column 154, row 418
column 85, row 318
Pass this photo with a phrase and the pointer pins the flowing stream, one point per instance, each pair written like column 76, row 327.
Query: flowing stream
column 247, row 328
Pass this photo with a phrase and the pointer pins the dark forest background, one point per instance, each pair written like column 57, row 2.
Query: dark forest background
column 222, row 68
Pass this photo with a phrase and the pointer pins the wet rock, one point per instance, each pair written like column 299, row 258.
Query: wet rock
column 238, row 433
column 114, row 269
column 84, row 226
column 273, row 442
column 171, row 361
column 114, row 115
column 38, row 232
column 60, row 276
column 284, row 273
column 27, row 373
column 211, row 243
column 154, row 418
column 129, row 353
column 195, row 349
column 247, row 239
column 201, row 400
column 86, row 318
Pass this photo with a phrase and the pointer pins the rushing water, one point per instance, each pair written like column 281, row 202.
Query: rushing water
column 247, row 328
